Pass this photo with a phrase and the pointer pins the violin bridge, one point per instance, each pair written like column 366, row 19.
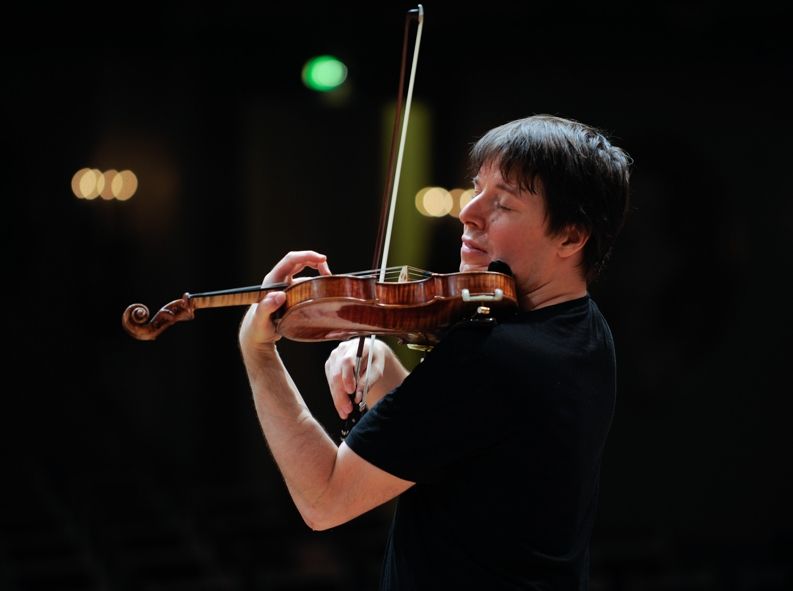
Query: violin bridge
column 403, row 274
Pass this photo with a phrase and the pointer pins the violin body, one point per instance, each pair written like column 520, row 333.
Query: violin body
column 339, row 307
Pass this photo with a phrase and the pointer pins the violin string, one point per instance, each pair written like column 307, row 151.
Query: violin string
column 392, row 274
column 236, row 290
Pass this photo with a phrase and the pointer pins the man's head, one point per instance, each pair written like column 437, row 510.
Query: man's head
column 583, row 178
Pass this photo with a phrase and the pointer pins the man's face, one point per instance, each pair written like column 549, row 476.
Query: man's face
column 504, row 223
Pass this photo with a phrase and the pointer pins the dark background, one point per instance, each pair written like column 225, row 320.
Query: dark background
column 133, row 465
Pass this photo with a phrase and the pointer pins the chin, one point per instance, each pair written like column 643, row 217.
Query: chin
column 472, row 267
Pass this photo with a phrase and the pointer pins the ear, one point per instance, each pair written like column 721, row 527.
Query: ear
column 571, row 240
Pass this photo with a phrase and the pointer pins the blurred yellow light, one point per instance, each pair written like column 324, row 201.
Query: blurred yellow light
column 455, row 193
column 106, row 192
column 90, row 183
column 77, row 182
column 124, row 185
column 437, row 202
column 420, row 200
column 465, row 197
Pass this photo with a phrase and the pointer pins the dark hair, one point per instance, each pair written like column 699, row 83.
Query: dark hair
column 584, row 178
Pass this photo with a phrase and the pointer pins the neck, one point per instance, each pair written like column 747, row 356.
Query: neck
column 549, row 294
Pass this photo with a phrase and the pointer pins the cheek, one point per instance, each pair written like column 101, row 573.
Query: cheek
column 507, row 243
column 516, row 242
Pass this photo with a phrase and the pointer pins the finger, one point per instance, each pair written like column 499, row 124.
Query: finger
column 341, row 400
column 257, row 325
column 295, row 261
column 348, row 377
column 353, row 378
column 333, row 374
column 270, row 303
column 323, row 268
column 265, row 328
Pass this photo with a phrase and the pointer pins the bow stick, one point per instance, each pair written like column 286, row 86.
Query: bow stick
column 389, row 202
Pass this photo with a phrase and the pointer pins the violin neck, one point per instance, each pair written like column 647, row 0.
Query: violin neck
column 241, row 296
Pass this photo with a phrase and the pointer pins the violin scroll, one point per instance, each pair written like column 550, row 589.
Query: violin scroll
column 135, row 319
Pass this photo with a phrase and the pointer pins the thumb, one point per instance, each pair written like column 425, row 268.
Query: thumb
column 260, row 328
column 270, row 303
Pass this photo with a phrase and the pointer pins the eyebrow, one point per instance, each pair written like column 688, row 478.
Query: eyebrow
column 512, row 189
column 508, row 188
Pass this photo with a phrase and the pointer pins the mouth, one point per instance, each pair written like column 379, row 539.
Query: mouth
column 472, row 248
column 472, row 256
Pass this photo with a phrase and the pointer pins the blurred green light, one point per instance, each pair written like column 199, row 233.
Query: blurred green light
column 324, row 73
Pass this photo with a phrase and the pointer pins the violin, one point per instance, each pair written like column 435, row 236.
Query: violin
column 338, row 307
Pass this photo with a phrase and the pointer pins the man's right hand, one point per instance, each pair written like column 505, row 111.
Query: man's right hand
column 340, row 372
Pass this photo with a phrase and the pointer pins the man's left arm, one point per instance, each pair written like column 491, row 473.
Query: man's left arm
column 329, row 484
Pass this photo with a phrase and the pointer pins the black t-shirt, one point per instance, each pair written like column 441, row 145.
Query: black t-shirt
column 502, row 428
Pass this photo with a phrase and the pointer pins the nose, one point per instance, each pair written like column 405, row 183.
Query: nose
column 471, row 214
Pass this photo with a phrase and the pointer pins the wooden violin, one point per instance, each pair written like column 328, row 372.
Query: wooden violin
column 339, row 307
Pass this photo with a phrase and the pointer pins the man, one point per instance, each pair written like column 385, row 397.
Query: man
column 494, row 442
